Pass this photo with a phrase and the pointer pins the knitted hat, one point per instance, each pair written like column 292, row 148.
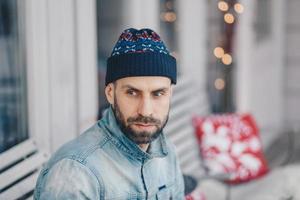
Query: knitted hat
column 140, row 53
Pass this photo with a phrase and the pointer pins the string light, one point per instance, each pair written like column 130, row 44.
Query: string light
column 223, row 6
column 168, row 16
column 226, row 59
column 239, row 8
column 229, row 18
column 219, row 84
column 219, row 52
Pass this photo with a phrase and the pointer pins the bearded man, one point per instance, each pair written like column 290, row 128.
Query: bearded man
column 125, row 155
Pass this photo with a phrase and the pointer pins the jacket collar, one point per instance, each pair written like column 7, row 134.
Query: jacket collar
column 157, row 148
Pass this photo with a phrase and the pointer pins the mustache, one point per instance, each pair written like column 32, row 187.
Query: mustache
column 143, row 119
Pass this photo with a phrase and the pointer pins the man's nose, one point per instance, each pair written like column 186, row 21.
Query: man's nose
column 145, row 107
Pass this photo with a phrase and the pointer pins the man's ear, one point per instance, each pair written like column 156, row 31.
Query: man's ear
column 109, row 93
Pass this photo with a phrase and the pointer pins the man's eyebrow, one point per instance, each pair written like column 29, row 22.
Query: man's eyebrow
column 129, row 87
column 136, row 89
column 164, row 89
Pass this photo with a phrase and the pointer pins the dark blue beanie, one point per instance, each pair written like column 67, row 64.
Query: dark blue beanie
column 140, row 53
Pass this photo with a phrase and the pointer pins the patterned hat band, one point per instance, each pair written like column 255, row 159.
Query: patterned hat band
column 140, row 53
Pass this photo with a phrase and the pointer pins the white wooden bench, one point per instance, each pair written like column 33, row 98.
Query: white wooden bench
column 19, row 169
column 188, row 100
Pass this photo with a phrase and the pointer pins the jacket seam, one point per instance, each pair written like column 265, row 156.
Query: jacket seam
column 85, row 154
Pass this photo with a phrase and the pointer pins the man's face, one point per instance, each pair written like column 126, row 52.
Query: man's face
column 141, row 106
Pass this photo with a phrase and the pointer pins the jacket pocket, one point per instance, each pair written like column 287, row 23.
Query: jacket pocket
column 164, row 194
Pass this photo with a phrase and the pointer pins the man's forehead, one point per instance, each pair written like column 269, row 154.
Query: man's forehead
column 145, row 82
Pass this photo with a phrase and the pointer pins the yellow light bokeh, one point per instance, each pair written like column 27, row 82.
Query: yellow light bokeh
column 223, row 6
column 227, row 59
column 168, row 16
column 229, row 18
column 219, row 84
column 219, row 52
column 239, row 8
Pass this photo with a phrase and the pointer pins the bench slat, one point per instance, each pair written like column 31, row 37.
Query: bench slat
column 189, row 144
column 192, row 155
column 175, row 124
column 184, row 108
column 195, row 170
column 189, row 99
column 21, row 169
column 183, row 83
column 192, row 167
column 22, row 150
column 182, row 137
column 21, row 188
column 181, row 95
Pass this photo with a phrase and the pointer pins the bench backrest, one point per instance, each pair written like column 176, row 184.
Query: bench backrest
column 19, row 169
column 188, row 100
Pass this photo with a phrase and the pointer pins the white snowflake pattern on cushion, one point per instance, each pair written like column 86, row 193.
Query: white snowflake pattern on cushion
column 230, row 144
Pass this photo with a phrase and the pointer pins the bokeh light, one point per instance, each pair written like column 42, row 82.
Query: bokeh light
column 168, row 16
column 227, row 59
column 219, row 84
column 239, row 8
column 229, row 18
column 223, row 6
column 219, row 52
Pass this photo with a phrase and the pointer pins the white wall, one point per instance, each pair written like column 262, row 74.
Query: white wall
column 260, row 69
column 62, row 69
column 140, row 14
column 292, row 72
column 192, row 35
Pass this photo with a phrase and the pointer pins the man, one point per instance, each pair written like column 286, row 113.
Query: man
column 124, row 155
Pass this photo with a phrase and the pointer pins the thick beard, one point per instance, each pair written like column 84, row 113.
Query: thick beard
column 143, row 137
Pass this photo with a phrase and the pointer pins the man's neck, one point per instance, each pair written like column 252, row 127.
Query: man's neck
column 144, row 147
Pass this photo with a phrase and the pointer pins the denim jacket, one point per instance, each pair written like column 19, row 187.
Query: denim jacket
column 103, row 163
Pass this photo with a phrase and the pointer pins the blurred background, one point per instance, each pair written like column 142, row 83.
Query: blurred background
column 243, row 54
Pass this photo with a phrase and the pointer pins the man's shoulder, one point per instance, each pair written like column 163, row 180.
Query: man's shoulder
column 81, row 147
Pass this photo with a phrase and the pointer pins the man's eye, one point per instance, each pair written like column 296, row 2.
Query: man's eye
column 131, row 93
column 158, row 94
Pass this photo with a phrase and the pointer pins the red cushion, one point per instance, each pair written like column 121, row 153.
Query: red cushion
column 230, row 144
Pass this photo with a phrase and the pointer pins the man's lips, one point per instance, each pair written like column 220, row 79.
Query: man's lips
column 145, row 125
